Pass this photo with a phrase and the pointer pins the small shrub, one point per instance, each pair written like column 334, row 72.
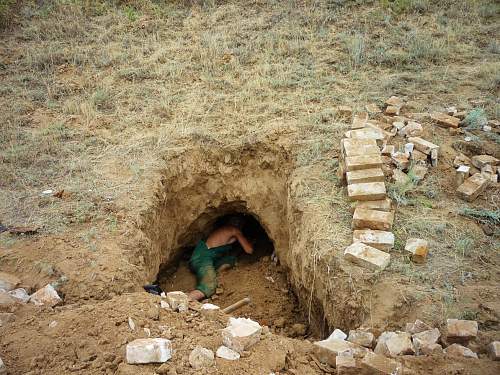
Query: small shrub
column 355, row 46
column 475, row 119
column 6, row 10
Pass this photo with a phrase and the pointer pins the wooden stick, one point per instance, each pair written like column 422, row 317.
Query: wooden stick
column 237, row 305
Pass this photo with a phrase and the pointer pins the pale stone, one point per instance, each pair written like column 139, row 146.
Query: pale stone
column 156, row 350
column 431, row 349
column 493, row 350
column 209, row 311
column 3, row 368
column 241, row 334
column 379, row 365
column 46, row 296
column 444, row 120
column 457, row 350
column 346, row 365
column 367, row 256
column 423, row 341
column 400, row 160
column 8, row 281
column 354, row 163
column 451, row 111
column 418, row 248
column 392, row 344
column 359, row 120
column 422, row 145
column 373, row 108
column 380, row 205
column 360, row 337
column 380, row 127
column 461, row 159
column 391, row 110
column 417, row 327
column 400, row 177
column 359, row 147
column 131, row 324
column 201, row 357
column 226, row 353
column 434, row 157
column 164, row 305
column 6, row 318
column 327, row 350
column 20, row 295
column 369, row 191
column 388, row 150
column 409, row 148
column 178, row 301
column 366, row 133
column 413, row 129
column 473, row 187
column 372, row 219
column 365, row 175
column 461, row 330
column 395, row 101
column 337, row 334
column 462, row 174
column 378, row 239
column 418, row 172
column 6, row 299
column 479, row 161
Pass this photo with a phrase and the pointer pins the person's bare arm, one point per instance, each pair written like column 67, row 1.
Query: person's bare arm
column 247, row 246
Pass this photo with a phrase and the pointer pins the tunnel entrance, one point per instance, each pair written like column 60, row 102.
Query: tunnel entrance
column 259, row 276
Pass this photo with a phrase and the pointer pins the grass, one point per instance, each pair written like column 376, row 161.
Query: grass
column 481, row 215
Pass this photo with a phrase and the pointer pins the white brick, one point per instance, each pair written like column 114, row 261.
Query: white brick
column 241, row 334
column 360, row 337
column 178, row 301
column 378, row 239
column 392, row 344
column 226, row 353
column 157, row 350
column 209, row 311
column 337, row 334
column 367, row 256
column 327, row 350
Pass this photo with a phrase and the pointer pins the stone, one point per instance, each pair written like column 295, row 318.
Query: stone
column 365, row 175
column 461, row 159
column 373, row 108
column 388, row 150
column 430, row 349
column 354, row 163
column 3, row 368
column 372, row 219
column 210, row 311
column 164, row 305
column 418, row 172
column 359, row 147
column 20, row 295
column 378, row 239
column 422, row 145
column 369, row 191
column 395, row 101
column 422, row 341
column 241, row 334
column 379, row 365
column 457, row 350
column 344, row 111
column 417, row 327
column 418, row 156
column 359, row 120
column 493, row 350
column 444, row 120
column 155, row 350
column 473, row 187
column 362, row 338
column 392, row 344
column 479, row 161
column 413, row 129
column 400, row 160
column 460, row 331
column 366, row 133
column 131, row 324
column 327, row 350
column 6, row 318
column 337, row 334
column 6, row 299
column 409, row 148
column 367, row 256
column 380, row 205
column 178, row 301
column 400, row 177
column 451, row 111
column 462, row 174
column 8, row 281
column 392, row 110
column 346, row 365
column 434, row 157
column 226, row 353
column 201, row 358
column 46, row 296
column 418, row 249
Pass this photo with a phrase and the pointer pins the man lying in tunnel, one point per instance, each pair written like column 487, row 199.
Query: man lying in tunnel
column 214, row 254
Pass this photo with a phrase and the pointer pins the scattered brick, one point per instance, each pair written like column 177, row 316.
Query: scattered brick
column 327, row 350
column 46, row 296
column 241, row 334
column 422, row 145
column 479, row 161
column 178, row 301
column 461, row 331
column 378, row 239
column 418, row 248
column 400, row 177
column 493, row 350
column 417, row 327
column 461, row 159
column 473, row 187
column 378, row 364
column 392, row 344
column 140, row 351
column 444, row 120
column 424, row 341
column 457, row 350
column 367, row 256
column 359, row 120
column 413, row 129
column 419, row 171
column 462, row 174
column 400, row 160
column 388, row 150
column 431, row 349
column 372, row 219
column 362, row 338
